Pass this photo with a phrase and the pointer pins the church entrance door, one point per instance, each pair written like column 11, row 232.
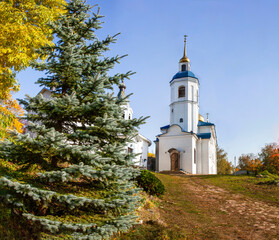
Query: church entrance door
column 174, row 161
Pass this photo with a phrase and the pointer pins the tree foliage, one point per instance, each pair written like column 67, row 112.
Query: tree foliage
column 10, row 110
column 223, row 165
column 269, row 157
column 81, row 172
column 24, row 28
column 249, row 162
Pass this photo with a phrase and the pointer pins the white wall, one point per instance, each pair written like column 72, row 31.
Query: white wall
column 139, row 145
column 204, row 129
column 185, row 107
column 183, row 142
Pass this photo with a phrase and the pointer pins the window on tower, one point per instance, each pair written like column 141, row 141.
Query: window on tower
column 183, row 67
column 181, row 91
column 181, row 120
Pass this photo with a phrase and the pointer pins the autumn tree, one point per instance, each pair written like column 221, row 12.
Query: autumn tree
column 24, row 28
column 249, row 162
column 223, row 165
column 9, row 113
column 269, row 157
column 244, row 161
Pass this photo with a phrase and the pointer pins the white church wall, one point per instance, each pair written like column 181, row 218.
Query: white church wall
column 46, row 93
column 144, row 153
column 140, row 146
column 128, row 112
column 195, row 117
column 212, row 157
column 183, row 143
column 180, row 111
column 199, row 157
column 185, row 107
column 204, row 129
column 205, row 156
column 193, row 162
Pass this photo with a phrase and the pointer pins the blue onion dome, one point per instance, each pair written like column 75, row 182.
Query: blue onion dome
column 184, row 74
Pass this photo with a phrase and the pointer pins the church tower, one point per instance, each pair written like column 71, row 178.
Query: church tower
column 184, row 106
column 127, row 110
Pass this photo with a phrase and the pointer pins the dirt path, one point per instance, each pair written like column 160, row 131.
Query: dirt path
column 204, row 211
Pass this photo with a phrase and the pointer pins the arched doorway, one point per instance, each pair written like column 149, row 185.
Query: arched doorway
column 174, row 159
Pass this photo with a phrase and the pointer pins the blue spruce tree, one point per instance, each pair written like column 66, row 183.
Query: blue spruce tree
column 81, row 184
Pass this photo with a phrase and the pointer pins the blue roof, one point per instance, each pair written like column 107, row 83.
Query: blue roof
column 165, row 127
column 184, row 74
column 205, row 124
column 204, row 135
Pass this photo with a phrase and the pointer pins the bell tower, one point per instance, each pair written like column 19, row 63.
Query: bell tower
column 184, row 106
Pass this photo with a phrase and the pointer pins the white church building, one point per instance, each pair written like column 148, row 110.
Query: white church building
column 188, row 143
column 140, row 143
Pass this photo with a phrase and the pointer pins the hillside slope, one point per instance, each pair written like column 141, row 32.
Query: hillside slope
column 213, row 207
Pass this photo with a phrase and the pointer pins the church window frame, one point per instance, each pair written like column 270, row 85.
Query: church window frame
column 181, row 92
column 183, row 67
column 181, row 120
column 195, row 156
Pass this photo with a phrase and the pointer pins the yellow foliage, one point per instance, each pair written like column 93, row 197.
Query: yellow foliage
column 151, row 155
column 24, row 28
column 10, row 110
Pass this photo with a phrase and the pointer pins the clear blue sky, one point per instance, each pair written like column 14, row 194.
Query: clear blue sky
column 233, row 46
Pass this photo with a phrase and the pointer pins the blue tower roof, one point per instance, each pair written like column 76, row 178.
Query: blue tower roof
column 200, row 123
column 204, row 135
column 184, row 74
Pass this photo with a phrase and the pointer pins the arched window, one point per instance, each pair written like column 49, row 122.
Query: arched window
column 181, row 120
column 181, row 91
column 183, row 67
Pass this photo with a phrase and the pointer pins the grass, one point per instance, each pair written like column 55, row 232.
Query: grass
column 152, row 230
column 246, row 185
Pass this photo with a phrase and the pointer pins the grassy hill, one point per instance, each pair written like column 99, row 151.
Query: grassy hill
column 212, row 207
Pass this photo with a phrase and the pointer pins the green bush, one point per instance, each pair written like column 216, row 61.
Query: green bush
column 269, row 175
column 150, row 183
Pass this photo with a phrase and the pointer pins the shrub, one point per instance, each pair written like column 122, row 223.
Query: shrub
column 269, row 175
column 271, row 179
column 150, row 183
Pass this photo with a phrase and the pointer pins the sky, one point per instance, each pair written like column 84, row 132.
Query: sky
column 233, row 47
